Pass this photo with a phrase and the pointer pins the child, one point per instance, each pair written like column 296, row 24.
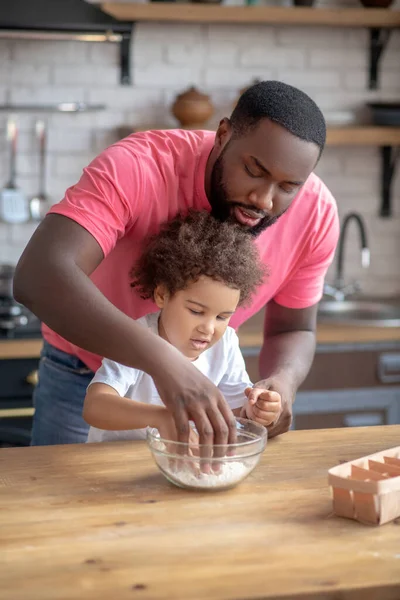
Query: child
column 198, row 271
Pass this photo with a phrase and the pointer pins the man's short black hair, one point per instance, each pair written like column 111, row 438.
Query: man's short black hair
column 285, row 105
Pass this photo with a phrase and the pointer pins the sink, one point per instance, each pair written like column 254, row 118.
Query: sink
column 359, row 312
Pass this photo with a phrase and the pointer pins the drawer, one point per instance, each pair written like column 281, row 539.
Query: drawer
column 353, row 369
column 17, row 378
column 346, row 408
column 15, row 431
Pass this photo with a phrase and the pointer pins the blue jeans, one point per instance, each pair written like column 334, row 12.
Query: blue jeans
column 58, row 399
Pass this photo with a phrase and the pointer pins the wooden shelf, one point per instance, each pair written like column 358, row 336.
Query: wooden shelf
column 356, row 135
column 363, row 136
column 274, row 15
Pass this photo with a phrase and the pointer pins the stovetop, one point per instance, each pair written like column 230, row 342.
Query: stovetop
column 16, row 321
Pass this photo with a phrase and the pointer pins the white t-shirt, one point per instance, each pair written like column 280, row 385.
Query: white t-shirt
column 223, row 364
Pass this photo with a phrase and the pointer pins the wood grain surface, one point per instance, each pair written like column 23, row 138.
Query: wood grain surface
column 98, row 521
column 206, row 13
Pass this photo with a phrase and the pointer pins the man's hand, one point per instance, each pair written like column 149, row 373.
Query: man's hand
column 262, row 406
column 191, row 396
column 272, row 388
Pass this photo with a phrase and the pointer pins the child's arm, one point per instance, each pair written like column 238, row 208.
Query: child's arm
column 104, row 408
column 256, row 404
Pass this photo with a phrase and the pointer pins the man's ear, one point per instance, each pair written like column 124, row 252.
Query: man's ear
column 160, row 295
column 224, row 133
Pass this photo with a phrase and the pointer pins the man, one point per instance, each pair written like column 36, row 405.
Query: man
column 74, row 274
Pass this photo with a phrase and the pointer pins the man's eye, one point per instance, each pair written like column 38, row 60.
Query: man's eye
column 287, row 190
column 246, row 168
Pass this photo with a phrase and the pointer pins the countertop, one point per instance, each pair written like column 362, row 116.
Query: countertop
column 98, row 521
column 250, row 335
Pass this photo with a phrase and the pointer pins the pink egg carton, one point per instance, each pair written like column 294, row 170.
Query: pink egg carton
column 368, row 489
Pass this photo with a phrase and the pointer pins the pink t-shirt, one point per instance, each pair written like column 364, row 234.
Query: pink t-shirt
column 134, row 186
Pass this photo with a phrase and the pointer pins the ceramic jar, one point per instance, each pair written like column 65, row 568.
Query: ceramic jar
column 192, row 108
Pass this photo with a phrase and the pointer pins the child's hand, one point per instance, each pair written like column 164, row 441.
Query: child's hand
column 262, row 406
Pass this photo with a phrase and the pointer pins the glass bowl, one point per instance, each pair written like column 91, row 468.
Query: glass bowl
column 212, row 468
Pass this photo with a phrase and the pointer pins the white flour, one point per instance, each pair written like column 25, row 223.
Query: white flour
column 229, row 474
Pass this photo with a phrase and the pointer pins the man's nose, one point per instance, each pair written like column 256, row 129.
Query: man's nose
column 263, row 198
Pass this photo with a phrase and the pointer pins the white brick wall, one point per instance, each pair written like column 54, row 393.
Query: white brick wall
column 328, row 63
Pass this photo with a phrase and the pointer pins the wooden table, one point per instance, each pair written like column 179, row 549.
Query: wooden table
column 99, row 522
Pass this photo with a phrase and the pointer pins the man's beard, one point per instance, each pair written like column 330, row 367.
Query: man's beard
column 221, row 206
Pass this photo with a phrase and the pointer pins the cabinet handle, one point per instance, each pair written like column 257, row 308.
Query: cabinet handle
column 9, row 413
column 363, row 420
column 389, row 368
column 32, row 378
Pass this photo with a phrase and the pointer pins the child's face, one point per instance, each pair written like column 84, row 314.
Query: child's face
column 195, row 318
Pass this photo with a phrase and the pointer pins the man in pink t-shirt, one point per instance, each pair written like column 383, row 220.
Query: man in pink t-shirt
column 74, row 274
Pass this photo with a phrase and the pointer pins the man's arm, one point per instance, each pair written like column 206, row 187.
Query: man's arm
column 287, row 355
column 52, row 280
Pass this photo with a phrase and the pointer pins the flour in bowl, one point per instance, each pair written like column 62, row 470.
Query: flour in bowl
column 230, row 474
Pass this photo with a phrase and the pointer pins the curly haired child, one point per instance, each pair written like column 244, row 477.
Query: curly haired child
column 198, row 271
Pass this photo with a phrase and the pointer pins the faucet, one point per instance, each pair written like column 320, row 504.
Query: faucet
column 339, row 290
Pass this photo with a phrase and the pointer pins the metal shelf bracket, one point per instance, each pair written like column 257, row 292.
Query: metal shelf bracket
column 389, row 156
column 378, row 39
column 125, row 57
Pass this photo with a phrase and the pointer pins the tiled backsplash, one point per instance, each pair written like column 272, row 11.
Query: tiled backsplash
column 329, row 64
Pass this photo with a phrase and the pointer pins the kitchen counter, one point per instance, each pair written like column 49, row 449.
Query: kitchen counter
column 251, row 333
column 98, row 521
column 20, row 348
column 250, row 336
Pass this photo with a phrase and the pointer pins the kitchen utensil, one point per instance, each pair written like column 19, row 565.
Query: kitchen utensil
column 385, row 113
column 183, row 465
column 13, row 204
column 6, row 280
column 368, row 489
column 39, row 204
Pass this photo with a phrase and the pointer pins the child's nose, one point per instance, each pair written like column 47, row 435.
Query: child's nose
column 208, row 327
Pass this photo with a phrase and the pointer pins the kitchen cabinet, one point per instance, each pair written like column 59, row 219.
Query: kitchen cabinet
column 18, row 377
column 354, row 379
column 345, row 388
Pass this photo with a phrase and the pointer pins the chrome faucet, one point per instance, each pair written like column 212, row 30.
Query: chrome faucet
column 339, row 290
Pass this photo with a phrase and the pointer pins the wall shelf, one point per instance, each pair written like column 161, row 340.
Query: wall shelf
column 387, row 139
column 363, row 136
column 379, row 21
column 275, row 15
column 352, row 135
column 63, row 107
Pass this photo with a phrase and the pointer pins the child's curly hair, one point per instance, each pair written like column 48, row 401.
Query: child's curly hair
column 188, row 247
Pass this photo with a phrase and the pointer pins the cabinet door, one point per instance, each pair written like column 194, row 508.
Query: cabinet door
column 347, row 408
column 18, row 378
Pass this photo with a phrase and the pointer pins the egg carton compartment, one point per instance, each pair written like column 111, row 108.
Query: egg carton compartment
column 368, row 489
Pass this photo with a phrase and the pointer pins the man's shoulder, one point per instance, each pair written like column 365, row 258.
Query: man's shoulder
column 316, row 189
column 155, row 141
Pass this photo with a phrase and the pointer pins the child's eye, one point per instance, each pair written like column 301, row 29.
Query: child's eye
column 195, row 312
column 222, row 318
